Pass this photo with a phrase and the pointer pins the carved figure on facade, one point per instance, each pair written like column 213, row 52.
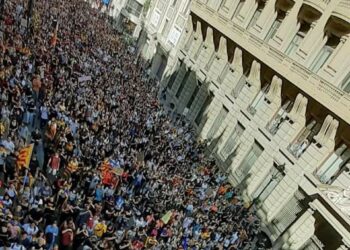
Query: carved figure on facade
column 274, row 94
column 222, row 52
column 237, row 60
column 254, row 76
column 339, row 196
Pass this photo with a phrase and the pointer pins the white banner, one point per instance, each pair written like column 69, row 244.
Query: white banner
column 23, row 22
column 84, row 78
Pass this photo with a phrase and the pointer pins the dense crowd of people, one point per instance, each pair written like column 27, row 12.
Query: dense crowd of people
column 109, row 168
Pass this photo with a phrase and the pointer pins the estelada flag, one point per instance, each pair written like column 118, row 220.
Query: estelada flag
column 24, row 156
column 105, row 166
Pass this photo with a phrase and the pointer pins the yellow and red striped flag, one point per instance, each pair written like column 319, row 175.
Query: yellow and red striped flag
column 24, row 156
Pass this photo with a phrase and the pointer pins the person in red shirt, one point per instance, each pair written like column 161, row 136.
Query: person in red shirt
column 54, row 164
column 67, row 236
column 137, row 245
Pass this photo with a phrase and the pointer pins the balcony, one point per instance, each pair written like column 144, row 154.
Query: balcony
column 133, row 8
column 318, row 4
column 342, row 10
column 328, row 95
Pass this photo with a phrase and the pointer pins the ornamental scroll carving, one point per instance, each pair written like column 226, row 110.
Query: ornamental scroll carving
column 198, row 34
column 222, row 52
column 237, row 60
column 339, row 196
column 254, row 76
column 209, row 39
column 327, row 131
column 299, row 108
column 274, row 93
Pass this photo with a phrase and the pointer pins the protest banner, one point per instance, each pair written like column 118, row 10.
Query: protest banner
column 84, row 78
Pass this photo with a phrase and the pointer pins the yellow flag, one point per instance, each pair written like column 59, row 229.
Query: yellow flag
column 24, row 156
column 166, row 217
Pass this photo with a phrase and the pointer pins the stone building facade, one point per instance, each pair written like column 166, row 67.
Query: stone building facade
column 266, row 83
column 128, row 14
column 163, row 26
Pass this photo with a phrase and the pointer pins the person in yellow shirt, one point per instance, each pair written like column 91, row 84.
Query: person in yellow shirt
column 100, row 229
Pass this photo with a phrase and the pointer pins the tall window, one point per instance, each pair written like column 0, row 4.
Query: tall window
column 276, row 24
column 172, row 80
column 273, row 30
column 239, row 7
column 134, row 8
column 296, row 41
column 325, row 53
column 189, row 42
column 280, row 117
column 165, row 27
column 290, row 212
column 217, row 122
column 193, row 96
column 174, row 36
column 183, row 83
column 258, row 99
column 225, row 5
column 162, row 67
column 333, row 164
column 186, row 6
column 198, row 51
column 303, row 142
column 204, row 107
column 223, row 73
column 255, row 17
column 174, row 76
column 270, row 182
column 298, row 38
column 250, row 159
column 232, row 141
column 210, row 62
column 346, row 83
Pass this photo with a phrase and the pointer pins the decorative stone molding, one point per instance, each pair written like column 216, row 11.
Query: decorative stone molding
column 254, row 76
column 338, row 195
column 209, row 39
column 198, row 33
column 327, row 132
column 299, row 108
column 222, row 51
column 188, row 32
column 319, row 138
column 329, row 139
column 236, row 64
column 274, row 94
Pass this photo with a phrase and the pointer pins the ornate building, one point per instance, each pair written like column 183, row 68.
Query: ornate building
column 128, row 14
column 266, row 83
